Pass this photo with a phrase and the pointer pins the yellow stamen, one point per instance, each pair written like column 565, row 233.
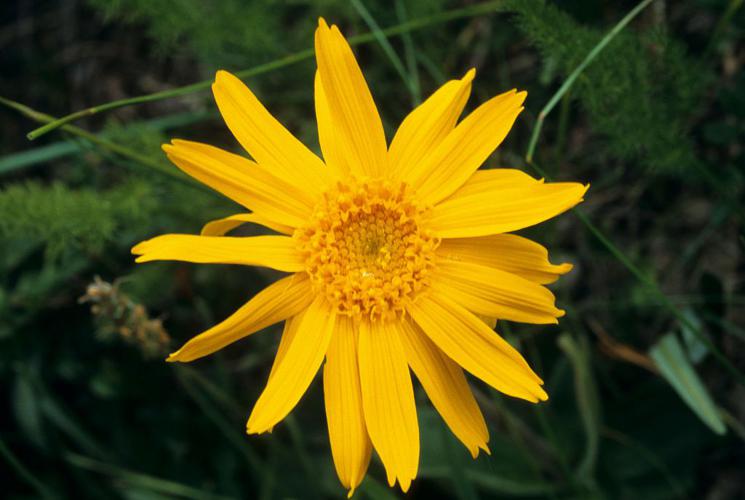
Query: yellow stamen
column 365, row 248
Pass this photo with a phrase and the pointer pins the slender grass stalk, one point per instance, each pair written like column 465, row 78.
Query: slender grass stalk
column 515, row 429
column 587, row 403
column 464, row 489
column 146, row 481
column 409, row 54
column 664, row 300
column 541, row 414
column 597, row 49
column 108, row 145
column 647, row 455
column 399, row 29
column 185, row 377
column 398, row 65
column 430, row 67
column 301, row 451
column 24, row 472
column 25, row 159
column 604, row 240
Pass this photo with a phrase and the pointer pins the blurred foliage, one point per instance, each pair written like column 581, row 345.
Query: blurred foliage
column 643, row 92
column 71, row 219
column 229, row 32
column 91, row 414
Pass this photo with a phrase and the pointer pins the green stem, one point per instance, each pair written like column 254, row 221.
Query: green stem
column 652, row 286
column 587, row 403
column 577, row 71
column 398, row 65
column 647, row 455
column 399, row 29
column 643, row 278
column 664, row 299
column 107, row 145
column 237, row 440
column 137, row 479
column 23, row 472
column 298, row 444
column 410, row 55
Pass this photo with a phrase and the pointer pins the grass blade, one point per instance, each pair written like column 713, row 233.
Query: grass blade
column 588, row 402
column 144, row 481
column 24, row 472
column 677, row 369
column 578, row 71
column 398, row 65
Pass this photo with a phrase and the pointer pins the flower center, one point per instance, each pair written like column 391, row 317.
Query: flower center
column 365, row 249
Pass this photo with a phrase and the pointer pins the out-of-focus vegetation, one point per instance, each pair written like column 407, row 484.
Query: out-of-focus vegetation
column 644, row 372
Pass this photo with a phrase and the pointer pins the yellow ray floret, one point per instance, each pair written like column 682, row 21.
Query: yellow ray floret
column 399, row 257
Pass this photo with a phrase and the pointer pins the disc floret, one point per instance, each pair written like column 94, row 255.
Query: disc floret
column 365, row 248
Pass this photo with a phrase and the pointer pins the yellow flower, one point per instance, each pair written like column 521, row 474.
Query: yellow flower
column 399, row 255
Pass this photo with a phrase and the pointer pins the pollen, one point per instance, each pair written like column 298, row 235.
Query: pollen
column 365, row 248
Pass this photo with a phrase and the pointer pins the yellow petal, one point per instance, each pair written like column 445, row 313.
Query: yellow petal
column 333, row 151
column 388, row 401
column 427, row 125
column 219, row 227
column 350, row 443
column 265, row 139
column 299, row 365
column 463, row 150
column 494, row 179
column 473, row 345
column 243, row 181
column 495, row 293
column 282, row 299
column 277, row 252
column 445, row 384
column 288, row 335
column 354, row 115
column 503, row 210
column 490, row 321
column 508, row 252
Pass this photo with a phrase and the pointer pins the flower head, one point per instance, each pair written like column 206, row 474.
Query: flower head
column 399, row 257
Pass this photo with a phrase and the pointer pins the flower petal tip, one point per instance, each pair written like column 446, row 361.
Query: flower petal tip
column 470, row 75
column 565, row 268
column 322, row 23
column 222, row 74
column 405, row 484
column 477, row 449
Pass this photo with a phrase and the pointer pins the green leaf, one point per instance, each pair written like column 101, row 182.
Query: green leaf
column 27, row 411
column 674, row 365
column 141, row 481
column 588, row 402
